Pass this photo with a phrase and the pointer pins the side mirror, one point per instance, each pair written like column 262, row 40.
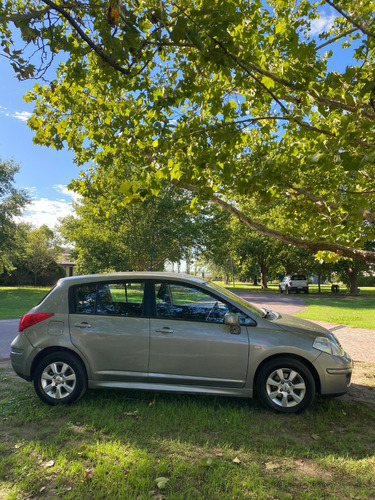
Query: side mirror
column 231, row 319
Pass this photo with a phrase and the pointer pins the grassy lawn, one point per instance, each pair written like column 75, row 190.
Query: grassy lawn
column 133, row 445
column 357, row 312
column 14, row 301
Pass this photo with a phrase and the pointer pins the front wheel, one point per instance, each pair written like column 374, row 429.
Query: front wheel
column 60, row 378
column 285, row 385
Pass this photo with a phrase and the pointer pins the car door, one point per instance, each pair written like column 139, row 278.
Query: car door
column 189, row 342
column 108, row 326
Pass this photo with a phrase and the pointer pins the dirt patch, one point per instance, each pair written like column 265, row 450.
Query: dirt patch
column 362, row 389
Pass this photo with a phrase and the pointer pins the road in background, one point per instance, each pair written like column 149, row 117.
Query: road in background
column 8, row 330
column 282, row 303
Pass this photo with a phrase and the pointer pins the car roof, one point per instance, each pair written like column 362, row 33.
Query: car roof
column 73, row 280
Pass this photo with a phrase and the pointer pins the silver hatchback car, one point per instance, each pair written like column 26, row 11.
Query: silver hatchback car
column 169, row 332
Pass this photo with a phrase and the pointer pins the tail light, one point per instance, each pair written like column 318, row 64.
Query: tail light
column 32, row 319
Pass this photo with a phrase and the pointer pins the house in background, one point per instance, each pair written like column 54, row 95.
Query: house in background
column 67, row 263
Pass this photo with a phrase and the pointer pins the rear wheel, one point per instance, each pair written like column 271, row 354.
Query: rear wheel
column 60, row 378
column 285, row 385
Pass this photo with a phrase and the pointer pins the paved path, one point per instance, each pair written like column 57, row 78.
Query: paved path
column 282, row 303
column 8, row 330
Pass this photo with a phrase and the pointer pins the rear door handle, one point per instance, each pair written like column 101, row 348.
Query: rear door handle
column 84, row 324
column 165, row 330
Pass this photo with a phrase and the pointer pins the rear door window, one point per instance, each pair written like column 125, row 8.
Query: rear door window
column 125, row 298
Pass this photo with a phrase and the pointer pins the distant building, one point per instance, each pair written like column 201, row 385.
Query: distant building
column 67, row 263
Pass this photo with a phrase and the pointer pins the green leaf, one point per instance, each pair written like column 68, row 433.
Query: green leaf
column 162, row 482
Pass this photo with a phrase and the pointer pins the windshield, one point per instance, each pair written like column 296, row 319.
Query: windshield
column 235, row 298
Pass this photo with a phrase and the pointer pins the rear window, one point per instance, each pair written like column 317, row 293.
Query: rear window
column 108, row 298
column 299, row 277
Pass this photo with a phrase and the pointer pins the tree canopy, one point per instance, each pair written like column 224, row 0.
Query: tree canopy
column 108, row 236
column 11, row 203
column 238, row 101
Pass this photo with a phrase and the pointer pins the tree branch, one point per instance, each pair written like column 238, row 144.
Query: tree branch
column 87, row 39
column 358, row 24
column 314, row 246
column 334, row 39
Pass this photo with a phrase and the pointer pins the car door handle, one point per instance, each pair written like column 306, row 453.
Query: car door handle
column 84, row 324
column 165, row 330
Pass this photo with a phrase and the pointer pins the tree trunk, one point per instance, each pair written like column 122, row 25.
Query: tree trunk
column 255, row 280
column 263, row 276
column 352, row 274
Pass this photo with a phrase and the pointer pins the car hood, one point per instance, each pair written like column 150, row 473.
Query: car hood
column 304, row 326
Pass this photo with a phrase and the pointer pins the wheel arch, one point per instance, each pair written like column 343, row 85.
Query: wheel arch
column 51, row 350
column 301, row 359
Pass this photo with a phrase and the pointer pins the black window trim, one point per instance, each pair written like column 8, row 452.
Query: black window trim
column 190, row 285
column 145, row 309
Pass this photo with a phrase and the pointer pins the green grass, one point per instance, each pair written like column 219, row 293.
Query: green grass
column 15, row 301
column 357, row 312
column 118, row 444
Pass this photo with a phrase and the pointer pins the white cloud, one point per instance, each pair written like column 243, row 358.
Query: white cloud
column 21, row 115
column 47, row 211
column 66, row 192
column 324, row 23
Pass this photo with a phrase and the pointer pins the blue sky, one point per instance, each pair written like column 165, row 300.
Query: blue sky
column 46, row 172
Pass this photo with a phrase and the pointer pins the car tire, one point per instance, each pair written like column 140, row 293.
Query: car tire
column 280, row 289
column 285, row 385
column 60, row 378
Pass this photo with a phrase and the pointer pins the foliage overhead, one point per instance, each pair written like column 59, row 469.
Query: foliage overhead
column 239, row 101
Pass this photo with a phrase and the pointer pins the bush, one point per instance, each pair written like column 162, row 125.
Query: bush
column 366, row 280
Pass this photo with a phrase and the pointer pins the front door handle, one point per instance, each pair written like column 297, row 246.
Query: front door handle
column 84, row 324
column 165, row 330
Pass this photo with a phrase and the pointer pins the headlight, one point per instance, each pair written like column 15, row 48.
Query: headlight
column 326, row 345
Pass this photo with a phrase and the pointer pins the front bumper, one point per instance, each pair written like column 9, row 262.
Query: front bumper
column 335, row 373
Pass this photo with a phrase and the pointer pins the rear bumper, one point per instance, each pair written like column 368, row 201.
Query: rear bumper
column 22, row 354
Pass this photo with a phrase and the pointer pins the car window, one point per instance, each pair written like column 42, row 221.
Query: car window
column 298, row 277
column 118, row 299
column 179, row 301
